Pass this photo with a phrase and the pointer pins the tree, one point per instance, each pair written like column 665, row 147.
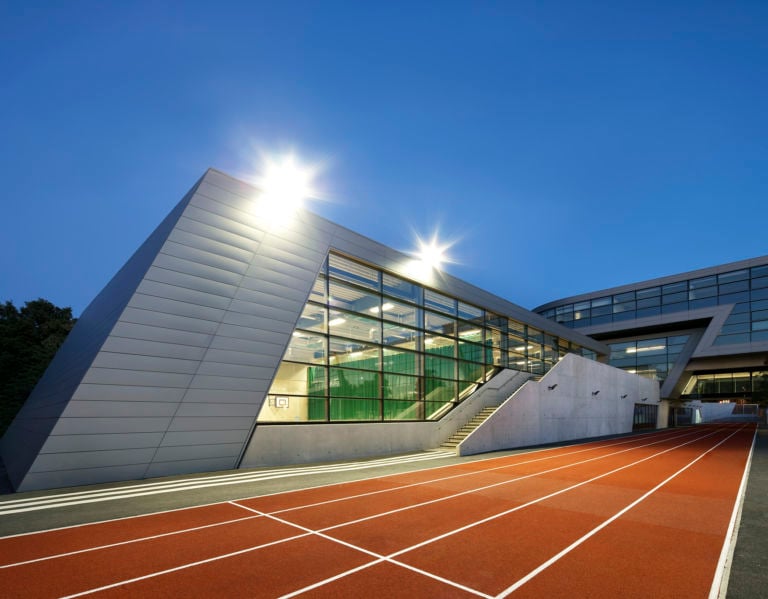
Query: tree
column 29, row 338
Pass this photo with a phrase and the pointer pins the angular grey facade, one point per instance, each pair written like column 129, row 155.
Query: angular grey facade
column 168, row 368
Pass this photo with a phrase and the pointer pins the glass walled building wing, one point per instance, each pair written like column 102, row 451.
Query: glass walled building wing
column 373, row 346
column 744, row 288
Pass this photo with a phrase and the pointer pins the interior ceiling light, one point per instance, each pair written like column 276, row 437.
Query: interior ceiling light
column 336, row 321
column 633, row 350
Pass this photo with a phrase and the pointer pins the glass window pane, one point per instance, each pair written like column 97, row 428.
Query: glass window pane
column 439, row 390
column 298, row 379
column 345, row 324
column 313, row 318
column 353, row 354
column 760, row 283
column 601, row 301
column 354, row 409
column 703, row 282
column 702, row 292
column 435, row 366
column 438, row 301
column 353, row 383
column 734, row 287
column 402, row 362
column 353, row 298
column 496, row 321
column 403, row 410
column 439, row 323
column 674, row 298
column 733, row 298
column 470, row 332
column 402, row 337
column 648, row 292
column 471, row 351
column 398, row 386
column 670, row 288
column 306, row 347
column 760, row 271
column 471, row 313
column 401, row 313
column 354, row 272
column 469, row 371
column 734, row 275
column 318, row 293
column 401, row 288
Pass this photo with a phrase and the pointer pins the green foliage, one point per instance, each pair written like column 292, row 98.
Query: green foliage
column 29, row 338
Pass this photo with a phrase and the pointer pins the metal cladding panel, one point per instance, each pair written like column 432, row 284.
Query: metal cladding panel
column 153, row 348
column 81, row 476
column 102, row 442
column 28, row 433
column 97, row 392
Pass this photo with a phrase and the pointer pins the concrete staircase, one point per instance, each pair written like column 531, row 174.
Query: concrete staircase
column 465, row 430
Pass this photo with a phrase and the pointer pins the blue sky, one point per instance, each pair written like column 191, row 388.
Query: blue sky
column 566, row 146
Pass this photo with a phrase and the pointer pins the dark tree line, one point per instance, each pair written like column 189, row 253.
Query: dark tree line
column 29, row 338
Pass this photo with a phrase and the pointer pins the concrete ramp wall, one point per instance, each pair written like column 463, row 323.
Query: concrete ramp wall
column 577, row 399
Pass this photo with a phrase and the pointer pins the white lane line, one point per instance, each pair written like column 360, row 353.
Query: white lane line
column 346, row 573
column 585, row 447
column 720, row 581
column 490, row 518
column 184, row 566
column 379, row 558
column 431, row 481
column 127, row 542
column 34, row 504
column 66, row 500
column 594, row 531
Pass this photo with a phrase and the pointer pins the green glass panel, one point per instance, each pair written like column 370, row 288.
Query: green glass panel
column 399, row 386
column 354, row 409
column 344, row 382
column 403, row 410
column 439, row 390
column 469, row 371
column 402, row 362
column 471, row 351
column 439, row 367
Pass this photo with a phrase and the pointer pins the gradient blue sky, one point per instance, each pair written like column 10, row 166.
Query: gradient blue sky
column 566, row 146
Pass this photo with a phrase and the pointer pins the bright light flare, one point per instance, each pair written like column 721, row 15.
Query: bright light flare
column 429, row 258
column 285, row 185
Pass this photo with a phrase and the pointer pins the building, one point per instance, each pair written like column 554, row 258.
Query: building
column 703, row 335
column 231, row 339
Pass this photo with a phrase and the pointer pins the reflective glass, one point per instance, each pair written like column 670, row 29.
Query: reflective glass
column 402, row 337
column 399, row 386
column 438, row 301
column 354, row 409
column 353, row 354
column 734, row 275
column 647, row 292
column 703, row 282
column 402, row 289
column 439, row 323
column 353, row 383
column 401, row 313
column 354, row 272
column 306, row 347
column 313, row 318
column 354, row 299
column 404, row 362
column 470, row 312
column 353, row 326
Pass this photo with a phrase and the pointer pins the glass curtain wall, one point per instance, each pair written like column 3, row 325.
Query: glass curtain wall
column 650, row 358
column 746, row 289
column 372, row 346
column 727, row 385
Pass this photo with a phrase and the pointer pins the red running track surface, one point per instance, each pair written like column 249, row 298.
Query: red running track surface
column 647, row 515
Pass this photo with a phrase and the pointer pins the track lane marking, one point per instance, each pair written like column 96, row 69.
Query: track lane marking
column 731, row 534
column 558, row 556
column 249, row 477
column 373, row 516
column 501, row 514
column 128, row 542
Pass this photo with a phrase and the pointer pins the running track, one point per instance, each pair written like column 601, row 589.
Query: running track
column 641, row 516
